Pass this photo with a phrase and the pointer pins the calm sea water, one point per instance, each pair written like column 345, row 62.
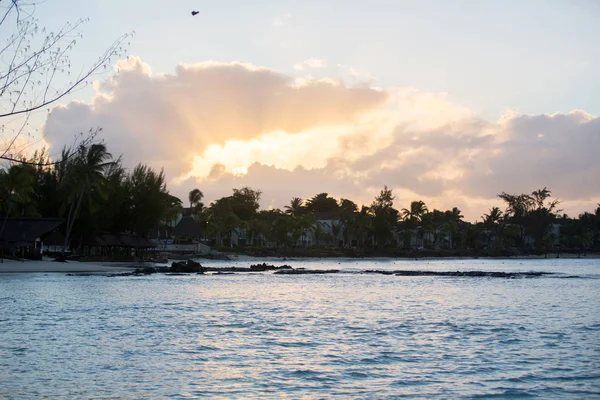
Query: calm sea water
column 308, row 336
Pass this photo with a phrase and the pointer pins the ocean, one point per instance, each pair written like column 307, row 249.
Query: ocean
column 345, row 335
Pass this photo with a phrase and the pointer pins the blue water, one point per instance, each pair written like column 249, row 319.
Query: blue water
column 305, row 336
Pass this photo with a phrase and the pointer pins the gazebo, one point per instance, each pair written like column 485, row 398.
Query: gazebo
column 121, row 246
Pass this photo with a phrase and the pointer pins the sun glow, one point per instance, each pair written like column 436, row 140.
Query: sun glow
column 240, row 171
column 279, row 149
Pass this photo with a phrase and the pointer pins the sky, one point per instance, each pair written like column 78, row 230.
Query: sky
column 450, row 102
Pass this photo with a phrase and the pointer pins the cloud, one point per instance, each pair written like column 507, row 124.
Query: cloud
column 278, row 185
column 310, row 63
column 555, row 150
column 352, row 74
column 465, row 163
column 169, row 119
column 281, row 20
column 217, row 126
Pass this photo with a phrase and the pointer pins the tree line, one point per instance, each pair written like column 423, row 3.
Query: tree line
column 529, row 222
column 94, row 193
column 90, row 189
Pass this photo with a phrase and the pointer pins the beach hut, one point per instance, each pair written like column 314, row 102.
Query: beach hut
column 23, row 237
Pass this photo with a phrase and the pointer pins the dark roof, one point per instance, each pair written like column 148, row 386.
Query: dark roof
column 139, row 242
column 188, row 226
column 27, row 230
column 119, row 240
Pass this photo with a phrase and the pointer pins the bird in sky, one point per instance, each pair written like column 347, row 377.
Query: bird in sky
column 195, row 12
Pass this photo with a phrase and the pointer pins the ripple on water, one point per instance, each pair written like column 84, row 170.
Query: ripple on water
column 349, row 336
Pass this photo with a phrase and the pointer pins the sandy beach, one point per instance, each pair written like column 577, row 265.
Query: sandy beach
column 11, row 266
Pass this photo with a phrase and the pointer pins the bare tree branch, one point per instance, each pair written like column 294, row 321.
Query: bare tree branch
column 35, row 67
column 77, row 143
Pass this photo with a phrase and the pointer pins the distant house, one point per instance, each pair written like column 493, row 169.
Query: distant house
column 188, row 228
column 419, row 238
column 331, row 226
column 23, row 237
column 552, row 236
column 183, row 235
column 186, row 212
column 189, row 235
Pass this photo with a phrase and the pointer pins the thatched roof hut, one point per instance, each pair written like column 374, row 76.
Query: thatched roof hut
column 118, row 240
column 188, row 227
column 25, row 231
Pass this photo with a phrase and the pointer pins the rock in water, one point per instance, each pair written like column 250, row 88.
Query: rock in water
column 189, row 267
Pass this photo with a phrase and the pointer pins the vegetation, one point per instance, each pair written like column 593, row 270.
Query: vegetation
column 95, row 194
column 530, row 224
column 92, row 191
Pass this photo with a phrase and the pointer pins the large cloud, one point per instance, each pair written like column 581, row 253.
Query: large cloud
column 169, row 118
column 218, row 126
column 559, row 151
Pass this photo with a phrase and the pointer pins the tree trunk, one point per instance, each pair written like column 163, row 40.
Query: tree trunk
column 71, row 220
column 69, row 216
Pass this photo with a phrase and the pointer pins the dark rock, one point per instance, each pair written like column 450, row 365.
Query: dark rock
column 124, row 274
column 267, row 267
column 146, row 271
column 475, row 274
column 188, row 267
column 227, row 269
column 302, row 271
column 376, row 271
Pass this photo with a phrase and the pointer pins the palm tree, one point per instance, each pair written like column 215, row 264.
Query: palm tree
column 455, row 214
column 416, row 211
column 411, row 217
column 493, row 217
column 172, row 212
column 295, row 208
column 86, row 173
column 491, row 222
column 195, row 197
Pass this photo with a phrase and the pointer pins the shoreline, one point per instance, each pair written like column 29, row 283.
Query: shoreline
column 47, row 266
column 550, row 256
column 44, row 266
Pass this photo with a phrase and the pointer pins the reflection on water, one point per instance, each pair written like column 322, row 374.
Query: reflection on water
column 263, row 335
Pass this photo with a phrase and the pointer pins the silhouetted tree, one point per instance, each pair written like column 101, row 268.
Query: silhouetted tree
column 295, row 208
column 321, row 203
